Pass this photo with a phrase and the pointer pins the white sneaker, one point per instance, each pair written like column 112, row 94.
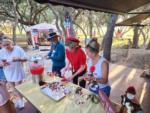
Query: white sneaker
column 19, row 104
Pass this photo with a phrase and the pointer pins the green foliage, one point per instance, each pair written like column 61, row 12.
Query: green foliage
column 28, row 12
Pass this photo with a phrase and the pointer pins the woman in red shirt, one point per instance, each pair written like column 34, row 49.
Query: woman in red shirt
column 77, row 59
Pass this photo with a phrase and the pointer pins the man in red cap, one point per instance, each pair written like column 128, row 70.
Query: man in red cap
column 77, row 59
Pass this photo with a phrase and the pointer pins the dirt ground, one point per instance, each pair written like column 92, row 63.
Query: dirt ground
column 134, row 58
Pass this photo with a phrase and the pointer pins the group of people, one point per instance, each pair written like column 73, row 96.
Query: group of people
column 73, row 58
column 69, row 56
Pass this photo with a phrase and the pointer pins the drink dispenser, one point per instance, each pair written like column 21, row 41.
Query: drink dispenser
column 37, row 68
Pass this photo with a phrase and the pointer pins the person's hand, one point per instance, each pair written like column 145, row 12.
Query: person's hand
column 80, row 79
column 70, row 78
column 6, row 63
column 64, row 79
column 63, row 71
column 16, row 59
column 51, row 74
column 86, row 78
column 46, row 57
column 1, row 64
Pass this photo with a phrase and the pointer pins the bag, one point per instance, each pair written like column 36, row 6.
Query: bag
column 67, row 71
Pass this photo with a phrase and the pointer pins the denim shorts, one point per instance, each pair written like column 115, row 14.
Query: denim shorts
column 2, row 76
column 57, row 70
column 106, row 90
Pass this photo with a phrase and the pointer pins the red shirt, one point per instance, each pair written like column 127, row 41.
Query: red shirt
column 76, row 58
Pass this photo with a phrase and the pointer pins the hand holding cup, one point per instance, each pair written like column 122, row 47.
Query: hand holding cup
column 5, row 62
column 16, row 59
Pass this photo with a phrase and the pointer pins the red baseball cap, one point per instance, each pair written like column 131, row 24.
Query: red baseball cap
column 72, row 39
column 131, row 90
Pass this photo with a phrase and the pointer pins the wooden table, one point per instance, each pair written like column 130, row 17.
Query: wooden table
column 44, row 104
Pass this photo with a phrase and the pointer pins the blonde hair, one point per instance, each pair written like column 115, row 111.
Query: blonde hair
column 93, row 45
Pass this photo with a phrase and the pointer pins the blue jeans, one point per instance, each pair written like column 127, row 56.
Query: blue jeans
column 2, row 76
column 57, row 70
column 106, row 90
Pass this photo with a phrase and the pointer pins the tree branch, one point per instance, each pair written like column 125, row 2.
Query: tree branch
column 38, row 12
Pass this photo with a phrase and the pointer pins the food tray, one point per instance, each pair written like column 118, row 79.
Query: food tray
column 57, row 96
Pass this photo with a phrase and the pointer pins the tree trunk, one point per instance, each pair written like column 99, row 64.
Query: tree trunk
column 144, row 37
column 135, row 37
column 14, row 33
column 62, row 24
column 109, row 36
column 85, row 35
column 90, row 24
column 57, row 19
column 15, row 23
column 148, row 46
column 98, row 30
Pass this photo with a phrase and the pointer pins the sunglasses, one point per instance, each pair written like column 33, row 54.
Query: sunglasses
column 6, row 45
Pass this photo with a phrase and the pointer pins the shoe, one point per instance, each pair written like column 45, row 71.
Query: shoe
column 19, row 104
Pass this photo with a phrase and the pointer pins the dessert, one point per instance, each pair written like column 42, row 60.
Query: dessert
column 56, row 90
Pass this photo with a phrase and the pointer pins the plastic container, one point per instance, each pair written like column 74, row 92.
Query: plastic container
column 36, row 68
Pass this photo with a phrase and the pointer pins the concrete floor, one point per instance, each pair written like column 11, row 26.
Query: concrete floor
column 29, row 108
column 122, row 77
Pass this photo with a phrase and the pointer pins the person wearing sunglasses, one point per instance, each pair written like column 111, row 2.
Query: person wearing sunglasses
column 101, row 71
column 77, row 58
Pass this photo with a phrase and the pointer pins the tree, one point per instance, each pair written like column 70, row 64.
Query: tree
column 28, row 11
column 56, row 18
column 16, row 21
column 135, row 37
column 109, row 36
column 60, row 14
column 90, row 24
column 145, row 34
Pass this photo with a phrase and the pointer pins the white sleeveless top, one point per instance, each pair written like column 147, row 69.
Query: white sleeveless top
column 98, row 70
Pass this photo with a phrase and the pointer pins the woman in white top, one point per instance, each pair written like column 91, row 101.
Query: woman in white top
column 13, row 58
column 101, row 71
